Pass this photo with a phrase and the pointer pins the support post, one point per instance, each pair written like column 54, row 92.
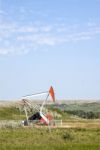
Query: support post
column 26, row 115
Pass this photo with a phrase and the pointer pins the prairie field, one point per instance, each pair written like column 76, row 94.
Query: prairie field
column 33, row 138
column 75, row 133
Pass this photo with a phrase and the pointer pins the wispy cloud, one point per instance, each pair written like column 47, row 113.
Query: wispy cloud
column 27, row 12
column 16, row 38
column 52, row 38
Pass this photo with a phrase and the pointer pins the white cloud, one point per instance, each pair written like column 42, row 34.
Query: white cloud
column 25, row 11
column 13, row 50
column 21, row 39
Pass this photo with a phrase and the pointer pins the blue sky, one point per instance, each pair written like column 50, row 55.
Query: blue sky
column 50, row 42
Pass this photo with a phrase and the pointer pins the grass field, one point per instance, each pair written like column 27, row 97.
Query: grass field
column 32, row 138
column 76, row 133
column 11, row 113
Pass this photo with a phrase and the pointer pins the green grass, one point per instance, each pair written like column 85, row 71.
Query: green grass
column 32, row 138
column 82, row 110
column 13, row 113
column 93, row 106
column 10, row 113
column 29, row 138
column 52, row 147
